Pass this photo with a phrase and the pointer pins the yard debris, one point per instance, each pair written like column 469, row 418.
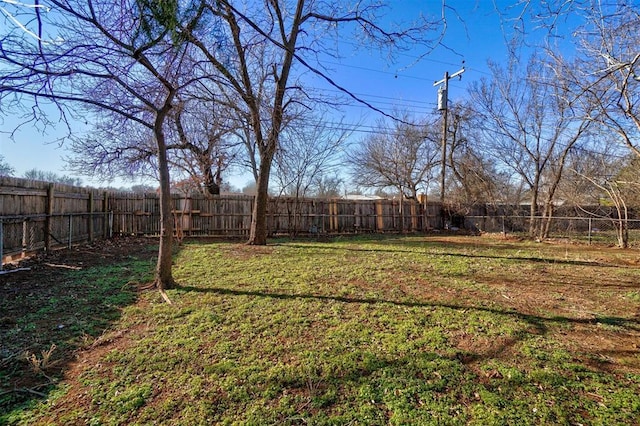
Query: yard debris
column 55, row 265
column 8, row 271
column 493, row 374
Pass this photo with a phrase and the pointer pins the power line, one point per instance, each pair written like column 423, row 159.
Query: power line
column 377, row 130
column 400, row 107
column 417, row 59
column 418, row 107
column 394, row 74
column 374, row 96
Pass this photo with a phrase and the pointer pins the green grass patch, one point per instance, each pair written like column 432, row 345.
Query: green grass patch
column 371, row 331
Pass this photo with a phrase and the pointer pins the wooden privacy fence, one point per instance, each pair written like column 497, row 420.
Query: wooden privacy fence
column 42, row 216
column 39, row 215
column 230, row 215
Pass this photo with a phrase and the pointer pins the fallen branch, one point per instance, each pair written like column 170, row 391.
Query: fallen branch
column 54, row 265
column 165, row 296
column 31, row 391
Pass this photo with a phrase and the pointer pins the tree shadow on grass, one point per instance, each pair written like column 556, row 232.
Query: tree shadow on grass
column 431, row 382
column 428, row 388
column 538, row 323
column 61, row 305
column 547, row 261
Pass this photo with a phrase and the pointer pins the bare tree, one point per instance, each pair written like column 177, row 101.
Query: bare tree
column 576, row 189
column 607, row 71
column 108, row 58
column 616, row 181
column 475, row 176
column 327, row 186
column 309, row 150
column 603, row 78
column 400, row 156
column 200, row 145
column 114, row 147
column 5, row 168
column 604, row 71
column 531, row 125
column 46, row 176
column 204, row 142
column 271, row 41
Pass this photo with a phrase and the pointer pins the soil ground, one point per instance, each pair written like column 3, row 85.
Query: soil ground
column 40, row 282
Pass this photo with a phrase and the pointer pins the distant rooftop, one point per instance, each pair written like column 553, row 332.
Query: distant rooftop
column 362, row 197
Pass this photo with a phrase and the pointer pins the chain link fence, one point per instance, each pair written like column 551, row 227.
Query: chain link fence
column 25, row 234
column 591, row 230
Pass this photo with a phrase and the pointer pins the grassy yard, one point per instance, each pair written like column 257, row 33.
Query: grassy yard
column 418, row 330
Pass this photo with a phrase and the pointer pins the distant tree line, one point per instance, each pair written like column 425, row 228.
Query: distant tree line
column 34, row 174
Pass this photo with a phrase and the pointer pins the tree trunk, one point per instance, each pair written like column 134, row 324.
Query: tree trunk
column 623, row 233
column 547, row 218
column 163, row 276
column 258, row 233
column 532, row 216
column 533, row 210
column 211, row 184
column 622, row 228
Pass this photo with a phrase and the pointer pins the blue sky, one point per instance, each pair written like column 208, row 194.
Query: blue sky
column 474, row 34
column 470, row 39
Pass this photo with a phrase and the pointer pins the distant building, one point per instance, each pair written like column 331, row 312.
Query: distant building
column 361, row 197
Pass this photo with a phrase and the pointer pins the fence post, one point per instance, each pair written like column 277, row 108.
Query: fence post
column 414, row 217
column 333, row 212
column 24, row 237
column 48, row 219
column 105, row 218
column 590, row 231
column 70, row 228
column 90, row 209
column 504, row 229
column 379, row 216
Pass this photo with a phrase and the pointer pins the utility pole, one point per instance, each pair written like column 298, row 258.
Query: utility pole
column 443, row 92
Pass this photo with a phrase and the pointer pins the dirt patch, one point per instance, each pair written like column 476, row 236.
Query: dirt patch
column 47, row 316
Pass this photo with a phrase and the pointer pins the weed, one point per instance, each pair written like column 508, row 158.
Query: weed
column 40, row 364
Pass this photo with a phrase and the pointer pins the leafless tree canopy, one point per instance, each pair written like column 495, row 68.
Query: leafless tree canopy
column 310, row 152
column 262, row 49
column 399, row 156
column 532, row 125
column 121, row 61
column 608, row 71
